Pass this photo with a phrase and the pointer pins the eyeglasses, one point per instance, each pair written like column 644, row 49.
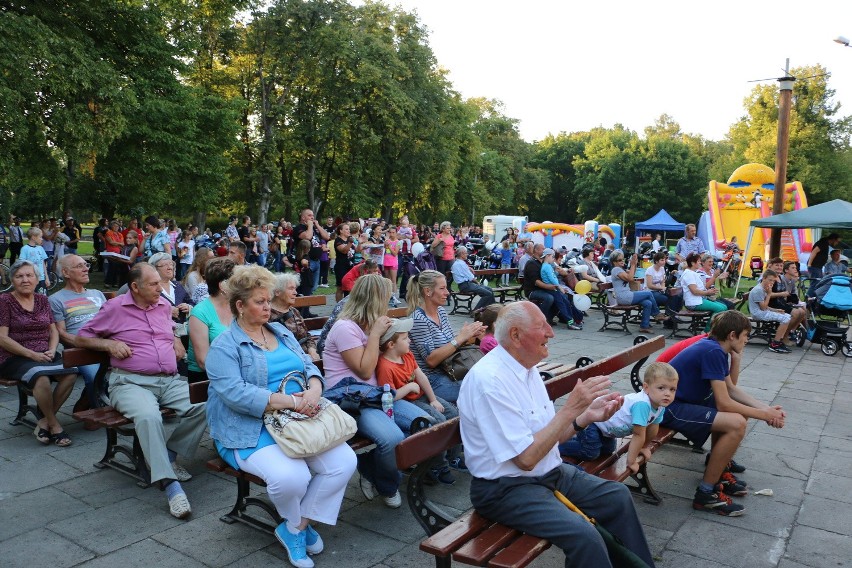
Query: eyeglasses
column 81, row 266
column 169, row 264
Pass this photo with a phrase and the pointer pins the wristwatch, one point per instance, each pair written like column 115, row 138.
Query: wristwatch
column 577, row 426
column 454, row 343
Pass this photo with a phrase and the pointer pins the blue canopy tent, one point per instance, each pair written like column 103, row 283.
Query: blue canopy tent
column 661, row 222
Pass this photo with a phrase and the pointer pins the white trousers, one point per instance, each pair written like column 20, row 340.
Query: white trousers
column 297, row 494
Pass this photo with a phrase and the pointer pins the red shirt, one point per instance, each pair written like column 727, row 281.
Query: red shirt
column 397, row 375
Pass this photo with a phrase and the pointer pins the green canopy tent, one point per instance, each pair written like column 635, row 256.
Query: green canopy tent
column 836, row 214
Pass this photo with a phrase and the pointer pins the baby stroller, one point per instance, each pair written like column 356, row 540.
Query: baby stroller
column 756, row 265
column 832, row 304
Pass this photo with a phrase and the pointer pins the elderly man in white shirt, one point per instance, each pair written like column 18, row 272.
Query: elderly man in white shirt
column 510, row 432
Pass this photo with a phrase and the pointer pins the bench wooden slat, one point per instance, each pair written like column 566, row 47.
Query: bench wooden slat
column 458, row 532
column 427, row 443
column 479, row 550
column 520, row 553
column 560, row 386
column 315, row 323
column 78, row 357
column 307, row 301
column 9, row 382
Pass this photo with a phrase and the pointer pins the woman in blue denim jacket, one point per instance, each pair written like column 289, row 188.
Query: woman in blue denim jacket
column 246, row 365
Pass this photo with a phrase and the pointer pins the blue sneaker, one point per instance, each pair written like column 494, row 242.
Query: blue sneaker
column 458, row 464
column 294, row 544
column 313, row 541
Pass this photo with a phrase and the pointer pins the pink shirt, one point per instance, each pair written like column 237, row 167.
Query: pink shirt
column 344, row 335
column 449, row 246
column 487, row 343
column 148, row 332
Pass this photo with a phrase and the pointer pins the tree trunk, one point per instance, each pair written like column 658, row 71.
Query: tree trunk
column 200, row 220
column 69, row 188
column 265, row 195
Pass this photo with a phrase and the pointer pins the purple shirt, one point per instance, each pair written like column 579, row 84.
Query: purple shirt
column 30, row 329
column 147, row 331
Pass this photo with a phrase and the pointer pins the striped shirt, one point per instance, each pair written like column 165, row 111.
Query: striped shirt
column 426, row 336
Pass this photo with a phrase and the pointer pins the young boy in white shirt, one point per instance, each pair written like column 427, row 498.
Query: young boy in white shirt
column 640, row 415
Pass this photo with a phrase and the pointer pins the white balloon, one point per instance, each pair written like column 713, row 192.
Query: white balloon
column 582, row 302
column 581, row 269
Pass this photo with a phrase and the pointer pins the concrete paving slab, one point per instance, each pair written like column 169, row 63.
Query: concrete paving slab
column 818, row 548
column 212, row 542
column 34, row 472
column 830, row 486
column 826, row 514
column 781, row 445
column 143, row 554
column 35, row 509
column 42, row 547
column 672, row 559
column 701, row 537
column 833, row 462
column 102, row 487
column 115, row 526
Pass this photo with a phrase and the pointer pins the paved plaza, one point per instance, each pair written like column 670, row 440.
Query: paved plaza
column 58, row 510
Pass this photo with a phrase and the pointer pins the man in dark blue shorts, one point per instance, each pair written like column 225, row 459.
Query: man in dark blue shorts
column 709, row 404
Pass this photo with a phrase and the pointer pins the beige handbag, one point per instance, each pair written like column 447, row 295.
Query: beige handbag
column 302, row 436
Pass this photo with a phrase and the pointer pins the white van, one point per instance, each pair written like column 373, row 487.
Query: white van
column 495, row 225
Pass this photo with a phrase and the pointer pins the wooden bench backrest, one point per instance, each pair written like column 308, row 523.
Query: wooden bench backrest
column 307, row 301
column 315, row 323
column 604, row 286
column 560, row 386
column 427, row 443
column 77, row 357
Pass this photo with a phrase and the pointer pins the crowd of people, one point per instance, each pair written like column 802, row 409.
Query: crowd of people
column 247, row 338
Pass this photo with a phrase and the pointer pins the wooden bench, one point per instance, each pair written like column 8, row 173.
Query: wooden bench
column 620, row 315
column 24, row 406
column 198, row 392
column 695, row 321
column 473, row 539
column 112, row 421
column 501, row 293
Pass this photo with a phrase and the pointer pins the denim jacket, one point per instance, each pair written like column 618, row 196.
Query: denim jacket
column 238, row 392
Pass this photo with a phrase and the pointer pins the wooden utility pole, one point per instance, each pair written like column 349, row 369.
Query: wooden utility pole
column 784, row 105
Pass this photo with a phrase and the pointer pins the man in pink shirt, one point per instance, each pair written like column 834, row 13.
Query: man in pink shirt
column 136, row 330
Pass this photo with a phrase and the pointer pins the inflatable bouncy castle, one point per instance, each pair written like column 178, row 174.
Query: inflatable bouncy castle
column 748, row 195
column 555, row 235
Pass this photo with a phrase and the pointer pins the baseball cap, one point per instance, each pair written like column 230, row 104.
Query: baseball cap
column 547, row 251
column 397, row 326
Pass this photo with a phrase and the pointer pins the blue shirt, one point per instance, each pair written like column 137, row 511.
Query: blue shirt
column 548, row 274
column 36, row 255
column 696, row 366
column 461, row 272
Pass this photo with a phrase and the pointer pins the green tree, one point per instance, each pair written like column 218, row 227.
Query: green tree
column 819, row 135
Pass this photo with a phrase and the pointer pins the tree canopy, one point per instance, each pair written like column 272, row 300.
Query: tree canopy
column 116, row 107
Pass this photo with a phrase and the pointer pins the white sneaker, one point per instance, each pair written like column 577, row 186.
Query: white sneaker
column 394, row 501
column 367, row 488
column 180, row 473
column 179, row 506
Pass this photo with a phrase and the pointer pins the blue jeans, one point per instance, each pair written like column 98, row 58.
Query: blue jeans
column 88, row 373
column 590, row 444
column 645, row 299
column 379, row 465
column 261, row 258
column 486, row 296
column 277, row 266
column 404, row 413
column 315, row 270
column 564, row 306
column 814, row 274
column 543, row 300
column 444, row 387
column 660, row 298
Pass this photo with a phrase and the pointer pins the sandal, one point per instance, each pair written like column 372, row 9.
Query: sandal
column 61, row 439
column 644, row 330
column 42, row 435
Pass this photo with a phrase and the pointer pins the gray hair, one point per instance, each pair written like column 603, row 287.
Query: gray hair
column 513, row 315
column 283, row 280
column 461, row 249
column 156, row 258
column 19, row 264
column 446, row 224
column 616, row 256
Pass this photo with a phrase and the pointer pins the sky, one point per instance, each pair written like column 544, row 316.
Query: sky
column 562, row 66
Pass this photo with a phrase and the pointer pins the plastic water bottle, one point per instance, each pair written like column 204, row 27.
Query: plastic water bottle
column 387, row 401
